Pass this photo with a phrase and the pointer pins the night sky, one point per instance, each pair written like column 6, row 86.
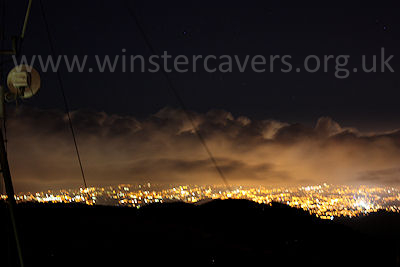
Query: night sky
column 355, row 140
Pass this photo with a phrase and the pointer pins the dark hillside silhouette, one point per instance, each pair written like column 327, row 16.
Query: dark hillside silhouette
column 216, row 233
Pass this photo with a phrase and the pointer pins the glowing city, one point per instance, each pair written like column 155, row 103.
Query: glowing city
column 324, row 201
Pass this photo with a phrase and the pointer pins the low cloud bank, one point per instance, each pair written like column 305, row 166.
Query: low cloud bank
column 163, row 148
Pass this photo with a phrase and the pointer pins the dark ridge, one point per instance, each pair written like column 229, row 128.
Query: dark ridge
column 217, row 233
column 381, row 224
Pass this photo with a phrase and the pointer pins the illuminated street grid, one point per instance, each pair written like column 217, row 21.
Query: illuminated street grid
column 325, row 201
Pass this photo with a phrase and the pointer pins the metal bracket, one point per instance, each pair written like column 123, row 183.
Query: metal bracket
column 13, row 50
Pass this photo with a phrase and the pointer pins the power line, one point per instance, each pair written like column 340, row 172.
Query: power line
column 61, row 85
column 2, row 36
column 178, row 97
column 3, row 75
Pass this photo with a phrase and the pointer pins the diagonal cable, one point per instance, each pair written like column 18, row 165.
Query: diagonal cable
column 178, row 97
column 61, row 85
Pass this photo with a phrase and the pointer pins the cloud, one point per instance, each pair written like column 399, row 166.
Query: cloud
column 163, row 148
column 388, row 176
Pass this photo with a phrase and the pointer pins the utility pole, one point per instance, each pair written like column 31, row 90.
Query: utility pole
column 5, row 170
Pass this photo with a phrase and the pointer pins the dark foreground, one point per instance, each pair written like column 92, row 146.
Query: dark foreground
column 230, row 232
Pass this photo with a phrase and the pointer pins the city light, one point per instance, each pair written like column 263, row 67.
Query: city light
column 324, row 201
